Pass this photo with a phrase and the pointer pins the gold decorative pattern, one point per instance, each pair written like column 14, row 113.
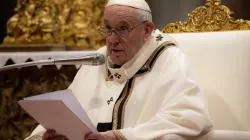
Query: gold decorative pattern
column 36, row 21
column 109, row 76
column 147, row 66
column 212, row 17
column 69, row 22
column 119, row 135
column 116, row 107
column 126, row 101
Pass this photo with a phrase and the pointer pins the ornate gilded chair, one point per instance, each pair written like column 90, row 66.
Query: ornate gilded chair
column 218, row 49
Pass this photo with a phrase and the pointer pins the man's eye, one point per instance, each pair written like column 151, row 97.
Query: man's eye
column 107, row 28
column 123, row 28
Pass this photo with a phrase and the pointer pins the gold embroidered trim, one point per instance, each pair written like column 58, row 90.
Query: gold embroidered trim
column 116, row 108
column 109, row 76
column 36, row 137
column 119, row 135
column 123, row 108
column 154, row 53
column 147, row 64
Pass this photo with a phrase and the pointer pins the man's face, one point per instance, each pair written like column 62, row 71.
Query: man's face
column 122, row 49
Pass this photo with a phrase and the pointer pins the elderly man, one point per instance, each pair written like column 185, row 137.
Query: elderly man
column 146, row 89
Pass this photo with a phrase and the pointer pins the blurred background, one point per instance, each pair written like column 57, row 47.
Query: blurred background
column 164, row 11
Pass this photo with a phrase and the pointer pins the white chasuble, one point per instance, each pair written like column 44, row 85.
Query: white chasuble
column 152, row 95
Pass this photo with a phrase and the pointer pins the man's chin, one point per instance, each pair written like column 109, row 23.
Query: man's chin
column 117, row 62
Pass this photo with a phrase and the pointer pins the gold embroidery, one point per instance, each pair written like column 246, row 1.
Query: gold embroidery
column 117, row 105
column 159, row 38
column 123, row 108
column 121, row 72
column 117, row 75
column 209, row 18
column 146, row 66
column 119, row 135
column 35, row 137
column 109, row 76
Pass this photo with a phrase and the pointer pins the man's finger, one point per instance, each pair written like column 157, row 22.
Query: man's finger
column 92, row 136
column 58, row 137
column 86, row 136
column 49, row 134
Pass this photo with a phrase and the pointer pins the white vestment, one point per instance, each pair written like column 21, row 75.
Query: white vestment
column 152, row 95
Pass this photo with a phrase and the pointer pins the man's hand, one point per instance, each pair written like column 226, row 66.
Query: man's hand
column 51, row 135
column 109, row 135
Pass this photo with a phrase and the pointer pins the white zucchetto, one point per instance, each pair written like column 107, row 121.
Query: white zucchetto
column 139, row 4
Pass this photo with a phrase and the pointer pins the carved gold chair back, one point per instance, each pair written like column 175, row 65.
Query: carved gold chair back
column 209, row 18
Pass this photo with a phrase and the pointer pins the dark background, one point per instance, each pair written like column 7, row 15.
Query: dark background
column 164, row 11
column 6, row 11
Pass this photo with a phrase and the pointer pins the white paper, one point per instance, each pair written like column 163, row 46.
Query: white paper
column 59, row 111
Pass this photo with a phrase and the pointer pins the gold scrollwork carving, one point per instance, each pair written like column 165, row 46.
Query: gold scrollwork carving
column 69, row 22
column 212, row 17
column 35, row 22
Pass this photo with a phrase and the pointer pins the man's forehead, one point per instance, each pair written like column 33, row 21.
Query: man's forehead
column 120, row 15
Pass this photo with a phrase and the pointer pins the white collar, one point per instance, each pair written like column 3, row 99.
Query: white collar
column 129, row 69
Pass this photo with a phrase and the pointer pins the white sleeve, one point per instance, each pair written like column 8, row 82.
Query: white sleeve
column 78, row 76
column 72, row 86
column 36, row 134
column 183, row 111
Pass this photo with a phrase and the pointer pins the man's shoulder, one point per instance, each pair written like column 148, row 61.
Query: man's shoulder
column 172, row 56
column 169, row 49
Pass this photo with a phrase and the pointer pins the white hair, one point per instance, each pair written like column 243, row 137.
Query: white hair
column 144, row 15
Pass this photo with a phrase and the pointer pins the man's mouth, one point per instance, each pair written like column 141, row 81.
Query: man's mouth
column 114, row 50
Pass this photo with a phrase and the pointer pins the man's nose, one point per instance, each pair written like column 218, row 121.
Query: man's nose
column 113, row 38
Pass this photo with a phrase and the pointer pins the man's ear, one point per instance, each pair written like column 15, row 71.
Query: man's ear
column 149, row 27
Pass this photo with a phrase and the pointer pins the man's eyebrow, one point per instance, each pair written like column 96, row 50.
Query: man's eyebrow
column 106, row 21
column 123, row 22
